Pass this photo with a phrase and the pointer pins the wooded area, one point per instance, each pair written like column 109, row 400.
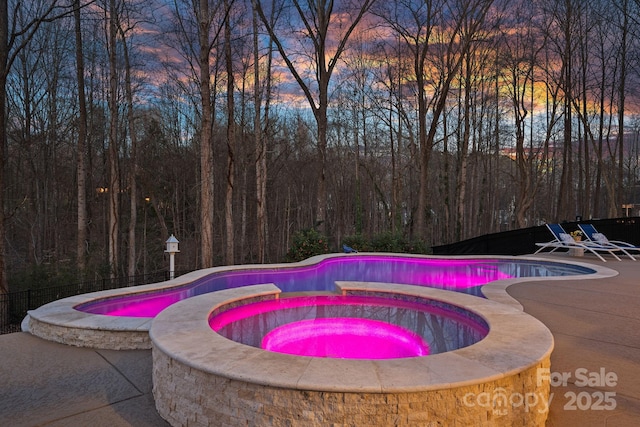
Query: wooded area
column 234, row 124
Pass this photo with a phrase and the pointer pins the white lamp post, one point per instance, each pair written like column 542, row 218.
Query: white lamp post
column 172, row 249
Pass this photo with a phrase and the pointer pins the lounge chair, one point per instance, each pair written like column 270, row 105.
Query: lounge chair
column 592, row 235
column 563, row 240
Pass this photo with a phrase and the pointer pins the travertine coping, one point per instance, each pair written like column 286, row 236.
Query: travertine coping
column 497, row 290
column 516, row 341
column 59, row 321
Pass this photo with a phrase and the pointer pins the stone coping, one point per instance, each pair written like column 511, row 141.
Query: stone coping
column 51, row 320
column 497, row 290
column 516, row 341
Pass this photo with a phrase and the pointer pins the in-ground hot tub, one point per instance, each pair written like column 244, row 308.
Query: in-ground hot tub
column 204, row 378
column 351, row 326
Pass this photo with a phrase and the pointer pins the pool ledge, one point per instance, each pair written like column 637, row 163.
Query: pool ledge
column 497, row 290
column 190, row 358
column 61, row 322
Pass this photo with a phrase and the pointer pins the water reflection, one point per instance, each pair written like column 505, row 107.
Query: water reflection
column 461, row 275
column 443, row 326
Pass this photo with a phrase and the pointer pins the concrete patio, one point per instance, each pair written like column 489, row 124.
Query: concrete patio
column 595, row 323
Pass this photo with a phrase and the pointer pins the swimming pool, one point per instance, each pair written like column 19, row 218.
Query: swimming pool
column 122, row 318
column 460, row 275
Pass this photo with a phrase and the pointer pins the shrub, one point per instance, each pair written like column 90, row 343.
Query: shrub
column 307, row 243
column 358, row 242
column 386, row 242
column 416, row 246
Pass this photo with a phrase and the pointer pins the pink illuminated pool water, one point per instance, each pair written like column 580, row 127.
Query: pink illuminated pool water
column 345, row 338
column 461, row 275
column 351, row 326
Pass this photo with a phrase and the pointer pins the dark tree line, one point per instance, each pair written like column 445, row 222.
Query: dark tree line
column 234, row 124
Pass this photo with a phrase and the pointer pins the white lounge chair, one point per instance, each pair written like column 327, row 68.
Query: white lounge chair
column 563, row 240
column 592, row 235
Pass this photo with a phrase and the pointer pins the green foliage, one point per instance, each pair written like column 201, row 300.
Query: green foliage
column 386, row 242
column 307, row 243
column 416, row 246
column 310, row 242
column 358, row 242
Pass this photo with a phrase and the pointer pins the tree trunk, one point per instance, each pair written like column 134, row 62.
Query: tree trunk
column 260, row 144
column 231, row 142
column 4, row 55
column 81, row 165
column 206, row 152
column 114, row 179
column 133, row 158
column 619, row 197
column 463, row 153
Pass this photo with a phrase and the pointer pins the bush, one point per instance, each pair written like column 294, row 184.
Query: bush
column 386, row 242
column 416, row 246
column 358, row 242
column 307, row 243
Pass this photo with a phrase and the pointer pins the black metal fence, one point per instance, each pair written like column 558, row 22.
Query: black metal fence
column 523, row 241
column 14, row 305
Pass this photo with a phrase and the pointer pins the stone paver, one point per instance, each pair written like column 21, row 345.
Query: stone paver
column 48, row 384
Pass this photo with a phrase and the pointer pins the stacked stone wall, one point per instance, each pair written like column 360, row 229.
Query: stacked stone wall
column 188, row 396
column 91, row 338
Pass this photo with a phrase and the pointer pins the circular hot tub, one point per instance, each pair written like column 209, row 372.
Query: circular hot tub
column 202, row 377
column 351, row 326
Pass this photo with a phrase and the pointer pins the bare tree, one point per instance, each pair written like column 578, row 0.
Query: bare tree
column 133, row 152
column 260, row 127
column 206, row 149
column 111, row 14
column 624, row 8
column 518, row 59
column 81, row 145
column 604, row 46
column 458, row 24
column 231, row 140
column 324, row 48
column 12, row 40
column 414, row 22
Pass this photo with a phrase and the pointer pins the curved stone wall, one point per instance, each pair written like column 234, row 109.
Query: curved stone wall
column 201, row 378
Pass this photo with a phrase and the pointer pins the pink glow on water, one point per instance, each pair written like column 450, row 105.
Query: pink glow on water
column 345, row 338
column 143, row 307
column 350, row 326
column 220, row 320
column 464, row 275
